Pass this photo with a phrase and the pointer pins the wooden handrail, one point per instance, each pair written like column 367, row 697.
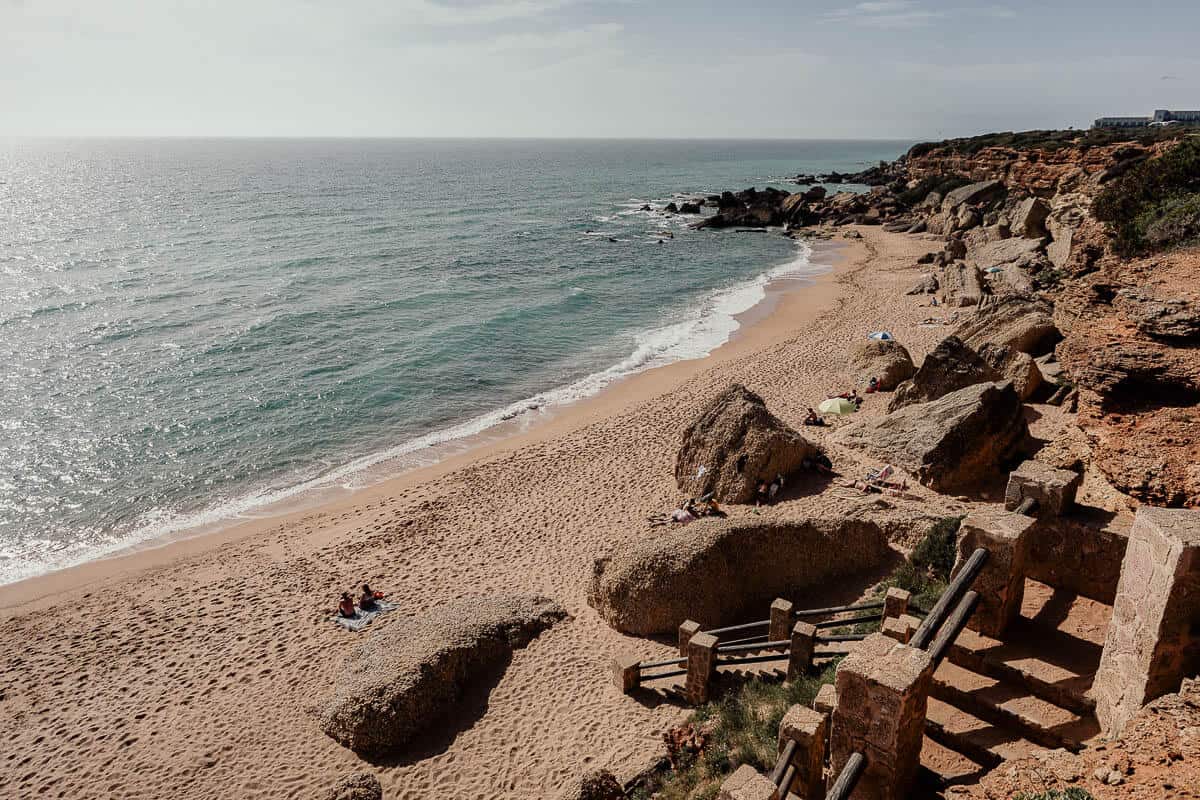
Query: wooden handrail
column 848, row 778
column 961, row 583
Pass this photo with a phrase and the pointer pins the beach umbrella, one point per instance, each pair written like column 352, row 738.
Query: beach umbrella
column 838, row 405
column 882, row 336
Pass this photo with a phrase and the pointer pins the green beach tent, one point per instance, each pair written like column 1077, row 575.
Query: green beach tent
column 837, row 405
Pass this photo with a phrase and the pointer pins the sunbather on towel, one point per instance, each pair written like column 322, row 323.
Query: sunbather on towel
column 346, row 606
column 368, row 600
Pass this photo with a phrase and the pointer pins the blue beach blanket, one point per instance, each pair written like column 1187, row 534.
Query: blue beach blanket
column 363, row 618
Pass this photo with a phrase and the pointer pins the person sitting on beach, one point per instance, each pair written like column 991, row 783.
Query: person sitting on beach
column 762, row 491
column 368, row 601
column 873, row 386
column 813, row 419
column 346, row 606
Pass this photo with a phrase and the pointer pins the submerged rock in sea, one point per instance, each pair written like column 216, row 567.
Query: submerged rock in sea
column 713, row 570
column 735, row 444
column 410, row 674
column 952, row 444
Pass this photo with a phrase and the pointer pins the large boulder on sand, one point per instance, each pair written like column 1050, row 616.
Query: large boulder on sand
column 888, row 361
column 1023, row 323
column 961, row 284
column 951, row 444
column 1013, row 365
column 412, row 672
column 713, row 570
column 949, row 367
column 356, row 786
column 738, row 443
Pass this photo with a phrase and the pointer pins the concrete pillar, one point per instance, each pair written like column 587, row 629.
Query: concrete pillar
column 895, row 602
column 1053, row 489
column 701, row 666
column 882, row 692
column 627, row 672
column 1001, row 584
column 800, row 655
column 809, row 729
column 781, row 620
column 1153, row 639
column 686, row 631
column 747, row 783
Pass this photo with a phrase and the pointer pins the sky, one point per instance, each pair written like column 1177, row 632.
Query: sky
column 903, row 69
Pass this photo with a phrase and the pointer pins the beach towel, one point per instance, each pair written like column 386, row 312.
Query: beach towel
column 363, row 618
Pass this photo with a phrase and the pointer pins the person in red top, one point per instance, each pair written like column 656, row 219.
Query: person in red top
column 346, row 606
column 368, row 600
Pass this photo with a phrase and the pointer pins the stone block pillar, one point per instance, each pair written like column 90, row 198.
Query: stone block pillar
column 809, row 729
column 1001, row 584
column 781, row 621
column 1053, row 489
column 686, row 631
column 901, row 628
column 627, row 672
column 800, row 655
column 747, row 783
column 1153, row 637
column 895, row 602
column 882, row 692
column 826, row 699
column 701, row 666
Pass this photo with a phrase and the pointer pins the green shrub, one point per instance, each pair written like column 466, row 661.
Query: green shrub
column 1071, row 793
column 1155, row 204
column 1048, row 140
column 746, row 731
column 935, row 553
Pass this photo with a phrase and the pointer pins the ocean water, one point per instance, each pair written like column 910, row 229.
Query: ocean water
column 192, row 329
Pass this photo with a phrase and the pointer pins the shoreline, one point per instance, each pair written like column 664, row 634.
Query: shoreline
column 784, row 297
column 164, row 668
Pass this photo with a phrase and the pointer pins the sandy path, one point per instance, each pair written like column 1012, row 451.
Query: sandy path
column 195, row 678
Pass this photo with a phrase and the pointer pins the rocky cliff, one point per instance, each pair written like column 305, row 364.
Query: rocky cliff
column 1019, row 221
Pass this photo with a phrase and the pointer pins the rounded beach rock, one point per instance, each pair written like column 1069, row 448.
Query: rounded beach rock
column 712, row 570
column 888, row 361
column 597, row 784
column 356, row 786
column 412, row 672
column 735, row 444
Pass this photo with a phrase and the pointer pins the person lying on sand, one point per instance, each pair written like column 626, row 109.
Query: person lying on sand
column 368, row 600
column 346, row 606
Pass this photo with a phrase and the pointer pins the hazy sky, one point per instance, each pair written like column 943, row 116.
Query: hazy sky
column 748, row 68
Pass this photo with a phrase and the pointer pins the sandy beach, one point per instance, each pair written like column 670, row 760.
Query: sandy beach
column 192, row 669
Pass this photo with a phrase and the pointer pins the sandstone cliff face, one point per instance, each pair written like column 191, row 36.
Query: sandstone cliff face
column 1133, row 349
column 1038, row 171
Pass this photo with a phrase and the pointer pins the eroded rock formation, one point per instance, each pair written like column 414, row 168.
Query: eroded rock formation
column 411, row 673
column 952, row 444
column 886, row 361
column 713, row 570
column 949, row 367
column 734, row 444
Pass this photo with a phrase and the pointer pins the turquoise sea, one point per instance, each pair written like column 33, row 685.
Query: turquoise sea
column 192, row 329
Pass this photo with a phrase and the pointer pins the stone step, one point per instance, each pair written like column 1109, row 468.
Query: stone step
column 1011, row 706
column 973, row 739
column 1044, row 662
